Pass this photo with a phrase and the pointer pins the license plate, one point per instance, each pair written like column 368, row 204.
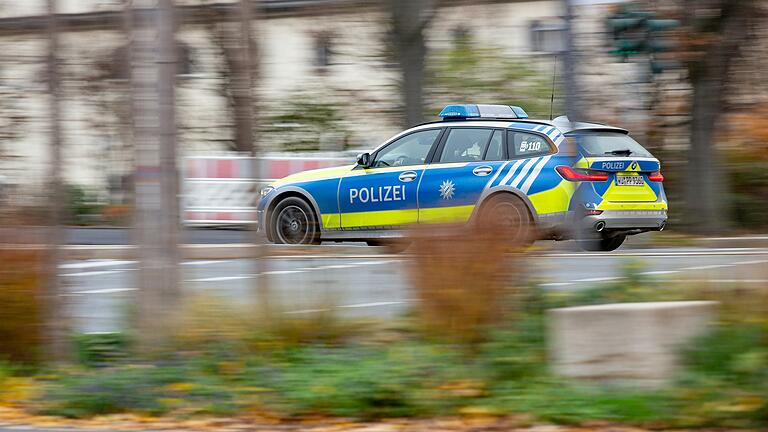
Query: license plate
column 637, row 180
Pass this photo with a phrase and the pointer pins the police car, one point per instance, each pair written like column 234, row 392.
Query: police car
column 477, row 165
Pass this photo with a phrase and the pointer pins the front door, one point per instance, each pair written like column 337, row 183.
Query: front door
column 466, row 162
column 385, row 194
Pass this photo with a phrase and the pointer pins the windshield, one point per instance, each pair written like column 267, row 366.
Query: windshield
column 607, row 144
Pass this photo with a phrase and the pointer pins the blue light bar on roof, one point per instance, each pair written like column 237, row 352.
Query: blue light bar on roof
column 521, row 114
column 459, row 111
column 465, row 111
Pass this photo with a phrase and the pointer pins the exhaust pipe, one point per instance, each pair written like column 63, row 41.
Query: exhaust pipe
column 599, row 226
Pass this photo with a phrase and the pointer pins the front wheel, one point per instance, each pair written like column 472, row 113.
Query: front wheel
column 602, row 244
column 294, row 222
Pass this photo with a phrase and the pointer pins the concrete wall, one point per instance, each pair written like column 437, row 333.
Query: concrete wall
column 625, row 342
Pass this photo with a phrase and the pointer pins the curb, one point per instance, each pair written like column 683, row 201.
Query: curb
column 204, row 251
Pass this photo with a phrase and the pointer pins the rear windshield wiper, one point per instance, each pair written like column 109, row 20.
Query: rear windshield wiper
column 625, row 152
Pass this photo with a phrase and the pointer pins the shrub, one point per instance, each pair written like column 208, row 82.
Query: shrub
column 465, row 281
column 153, row 390
column 101, row 349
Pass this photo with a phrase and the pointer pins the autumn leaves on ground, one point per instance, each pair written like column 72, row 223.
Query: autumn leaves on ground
column 471, row 355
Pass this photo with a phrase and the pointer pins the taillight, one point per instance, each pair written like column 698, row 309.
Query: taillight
column 580, row 174
column 656, row 176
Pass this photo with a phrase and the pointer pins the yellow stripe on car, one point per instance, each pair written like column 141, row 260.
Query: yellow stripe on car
column 446, row 214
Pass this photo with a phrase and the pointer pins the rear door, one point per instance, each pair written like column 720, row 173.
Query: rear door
column 464, row 163
column 385, row 194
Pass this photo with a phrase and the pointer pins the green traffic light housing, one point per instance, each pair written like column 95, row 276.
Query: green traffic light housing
column 661, row 24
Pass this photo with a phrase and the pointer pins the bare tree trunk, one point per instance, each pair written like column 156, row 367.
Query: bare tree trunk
column 706, row 182
column 570, row 63
column 239, row 52
column 156, row 178
column 56, row 330
column 410, row 19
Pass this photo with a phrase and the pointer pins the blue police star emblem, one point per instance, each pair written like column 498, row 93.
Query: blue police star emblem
column 447, row 189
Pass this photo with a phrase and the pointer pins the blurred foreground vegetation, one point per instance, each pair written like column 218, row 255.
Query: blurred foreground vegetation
column 232, row 361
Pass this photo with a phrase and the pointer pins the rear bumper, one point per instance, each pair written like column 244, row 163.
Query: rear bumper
column 626, row 220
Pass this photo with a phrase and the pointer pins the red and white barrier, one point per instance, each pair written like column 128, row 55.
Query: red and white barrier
column 221, row 189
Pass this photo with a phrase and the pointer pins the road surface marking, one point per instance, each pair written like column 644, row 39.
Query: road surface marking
column 555, row 284
column 104, row 291
column 730, row 281
column 600, row 279
column 659, row 272
column 707, row 267
column 349, row 306
column 220, row 278
column 754, row 262
column 372, row 304
column 208, row 262
column 306, row 311
column 94, row 264
column 280, row 272
column 97, row 273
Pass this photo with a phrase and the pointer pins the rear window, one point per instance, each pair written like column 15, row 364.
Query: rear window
column 607, row 144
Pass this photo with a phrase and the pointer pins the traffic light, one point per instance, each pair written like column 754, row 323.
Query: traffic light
column 628, row 31
column 641, row 32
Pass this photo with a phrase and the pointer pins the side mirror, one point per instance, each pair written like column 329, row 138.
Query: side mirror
column 364, row 160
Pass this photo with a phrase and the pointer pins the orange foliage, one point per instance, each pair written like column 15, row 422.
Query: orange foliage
column 20, row 313
column 465, row 279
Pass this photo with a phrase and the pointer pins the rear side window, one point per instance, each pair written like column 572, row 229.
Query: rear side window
column 465, row 145
column 609, row 144
column 525, row 145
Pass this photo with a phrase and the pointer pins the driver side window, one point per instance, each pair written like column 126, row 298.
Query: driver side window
column 411, row 149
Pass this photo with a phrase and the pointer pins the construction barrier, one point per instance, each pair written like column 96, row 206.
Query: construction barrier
column 222, row 190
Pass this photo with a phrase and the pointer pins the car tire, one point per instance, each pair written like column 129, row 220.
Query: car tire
column 602, row 244
column 394, row 246
column 293, row 221
column 506, row 216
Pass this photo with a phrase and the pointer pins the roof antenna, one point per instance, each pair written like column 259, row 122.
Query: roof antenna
column 552, row 98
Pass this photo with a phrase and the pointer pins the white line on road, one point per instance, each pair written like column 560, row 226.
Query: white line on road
column 97, row 273
column 754, row 262
column 659, row 272
column 372, row 304
column 708, row 267
column 220, row 278
column 208, row 262
column 599, row 279
column 349, row 306
column 94, row 264
column 731, row 281
column 105, row 291
column 280, row 272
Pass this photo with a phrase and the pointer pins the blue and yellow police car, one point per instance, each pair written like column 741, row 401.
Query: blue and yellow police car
column 478, row 164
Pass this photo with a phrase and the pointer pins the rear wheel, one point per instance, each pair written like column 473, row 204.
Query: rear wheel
column 294, row 222
column 604, row 243
column 507, row 217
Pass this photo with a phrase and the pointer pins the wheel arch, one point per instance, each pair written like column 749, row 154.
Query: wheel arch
column 287, row 192
column 505, row 190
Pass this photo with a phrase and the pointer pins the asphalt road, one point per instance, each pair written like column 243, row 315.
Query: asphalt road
column 118, row 236
column 372, row 284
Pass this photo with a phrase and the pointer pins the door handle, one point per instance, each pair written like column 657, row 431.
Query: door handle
column 482, row 170
column 408, row 176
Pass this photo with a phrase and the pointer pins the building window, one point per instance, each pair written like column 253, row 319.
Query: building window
column 547, row 37
column 117, row 65
column 323, row 49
